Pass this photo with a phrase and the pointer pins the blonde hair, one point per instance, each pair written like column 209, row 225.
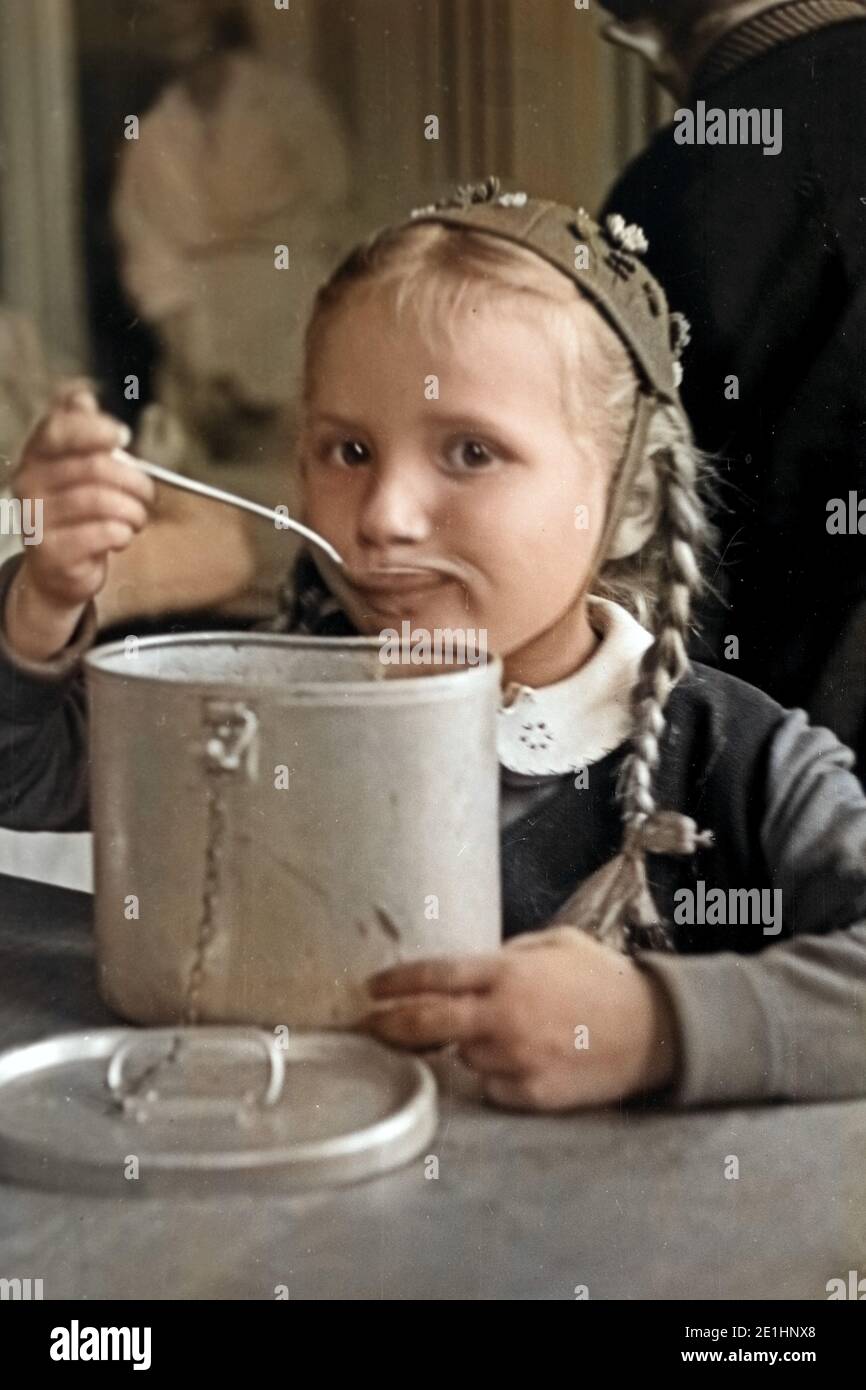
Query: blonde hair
column 436, row 272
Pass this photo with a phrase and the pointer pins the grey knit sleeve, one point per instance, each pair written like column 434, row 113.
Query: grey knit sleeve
column 788, row 1023
column 43, row 731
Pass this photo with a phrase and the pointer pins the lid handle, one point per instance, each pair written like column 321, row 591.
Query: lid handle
column 141, row 1098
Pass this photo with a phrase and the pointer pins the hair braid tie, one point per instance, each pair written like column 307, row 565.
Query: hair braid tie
column 624, row 907
column 598, row 904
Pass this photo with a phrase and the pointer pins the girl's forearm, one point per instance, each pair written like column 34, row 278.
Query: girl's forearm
column 35, row 628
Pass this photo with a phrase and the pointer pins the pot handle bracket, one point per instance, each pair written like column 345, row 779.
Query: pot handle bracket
column 230, row 737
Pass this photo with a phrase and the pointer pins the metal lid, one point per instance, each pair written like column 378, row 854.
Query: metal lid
column 195, row 1110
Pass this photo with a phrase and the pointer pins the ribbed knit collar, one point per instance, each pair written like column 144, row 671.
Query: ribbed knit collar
column 788, row 20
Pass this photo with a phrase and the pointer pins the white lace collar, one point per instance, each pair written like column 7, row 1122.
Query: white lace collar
column 563, row 727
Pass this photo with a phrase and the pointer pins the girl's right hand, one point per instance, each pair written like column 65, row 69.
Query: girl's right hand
column 91, row 504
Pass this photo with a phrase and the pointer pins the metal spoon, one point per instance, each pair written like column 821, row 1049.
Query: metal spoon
column 283, row 523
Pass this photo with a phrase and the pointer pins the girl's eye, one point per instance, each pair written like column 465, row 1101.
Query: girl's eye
column 348, row 452
column 469, row 455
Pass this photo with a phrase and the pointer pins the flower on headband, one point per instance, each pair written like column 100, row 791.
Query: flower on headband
column 680, row 337
column 627, row 235
column 468, row 193
column 681, row 333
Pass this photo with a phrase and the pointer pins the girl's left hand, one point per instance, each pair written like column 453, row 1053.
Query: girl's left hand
column 552, row 1021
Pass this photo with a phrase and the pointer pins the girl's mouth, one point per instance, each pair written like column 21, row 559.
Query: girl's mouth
column 375, row 583
column 395, row 592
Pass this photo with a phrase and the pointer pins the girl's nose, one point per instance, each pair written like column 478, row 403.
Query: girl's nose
column 394, row 509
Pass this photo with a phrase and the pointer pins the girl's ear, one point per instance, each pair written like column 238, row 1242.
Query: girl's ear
column 641, row 513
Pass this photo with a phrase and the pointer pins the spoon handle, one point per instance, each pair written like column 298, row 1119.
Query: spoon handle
column 178, row 480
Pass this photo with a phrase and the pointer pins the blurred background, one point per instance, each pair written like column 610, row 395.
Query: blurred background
column 153, row 153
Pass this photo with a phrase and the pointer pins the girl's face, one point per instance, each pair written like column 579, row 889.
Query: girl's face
column 447, row 477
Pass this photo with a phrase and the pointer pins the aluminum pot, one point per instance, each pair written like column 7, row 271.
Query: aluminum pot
column 276, row 817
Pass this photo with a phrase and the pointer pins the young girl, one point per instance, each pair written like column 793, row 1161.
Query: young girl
column 493, row 440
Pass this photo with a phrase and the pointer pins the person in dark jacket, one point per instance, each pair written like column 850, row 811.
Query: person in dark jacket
column 765, row 253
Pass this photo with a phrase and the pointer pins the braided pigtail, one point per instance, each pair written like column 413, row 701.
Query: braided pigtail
column 685, row 532
column 683, row 527
column 615, row 904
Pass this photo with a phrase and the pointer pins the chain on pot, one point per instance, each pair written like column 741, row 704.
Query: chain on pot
column 229, row 746
column 232, row 728
column 215, row 836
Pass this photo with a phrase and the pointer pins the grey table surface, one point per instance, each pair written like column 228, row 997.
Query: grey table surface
column 631, row 1204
